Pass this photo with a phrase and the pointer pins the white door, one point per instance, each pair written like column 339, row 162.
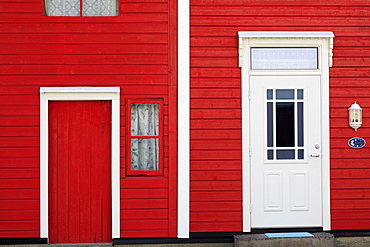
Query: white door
column 285, row 141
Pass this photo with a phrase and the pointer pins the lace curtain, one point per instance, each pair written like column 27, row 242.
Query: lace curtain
column 144, row 151
column 89, row 7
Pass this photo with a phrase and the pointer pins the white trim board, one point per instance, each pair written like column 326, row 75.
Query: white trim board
column 324, row 42
column 183, row 163
column 79, row 93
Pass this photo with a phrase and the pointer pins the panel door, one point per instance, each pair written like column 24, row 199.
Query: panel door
column 80, row 172
column 285, row 141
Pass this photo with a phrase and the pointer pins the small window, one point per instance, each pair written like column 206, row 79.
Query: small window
column 284, row 58
column 144, row 138
column 81, row 7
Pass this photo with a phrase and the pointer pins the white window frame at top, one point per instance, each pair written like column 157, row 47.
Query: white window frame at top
column 324, row 42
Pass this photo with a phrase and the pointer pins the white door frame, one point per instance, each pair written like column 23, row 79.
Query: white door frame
column 324, row 42
column 75, row 94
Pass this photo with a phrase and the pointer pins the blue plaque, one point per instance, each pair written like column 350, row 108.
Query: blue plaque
column 356, row 142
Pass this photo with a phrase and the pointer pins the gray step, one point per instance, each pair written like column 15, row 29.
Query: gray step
column 320, row 239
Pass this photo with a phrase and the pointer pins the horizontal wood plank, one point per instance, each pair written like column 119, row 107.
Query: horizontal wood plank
column 216, row 226
column 215, row 176
column 20, row 183
column 214, row 165
column 215, row 196
column 147, row 233
column 216, row 206
column 25, row 204
column 149, row 214
column 217, row 145
column 144, row 193
column 20, row 234
column 144, row 224
column 142, row 203
column 216, row 217
column 19, row 194
column 23, row 173
column 215, row 154
column 218, row 185
column 215, row 135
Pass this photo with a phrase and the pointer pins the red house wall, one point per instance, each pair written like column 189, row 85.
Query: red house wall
column 132, row 51
column 216, row 190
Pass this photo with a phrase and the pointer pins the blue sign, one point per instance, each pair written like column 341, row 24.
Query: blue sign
column 356, row 142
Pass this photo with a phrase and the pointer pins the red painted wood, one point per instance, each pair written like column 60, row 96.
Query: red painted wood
column 144, row 203
column 144, row 193
column 144, row 233
column 19, row 214
column 150, row 214
column 227, row 226
column 20, row 183
column 227, row 175
column 79, row 172
column 215, row 77
column 24, row 204
column 158, row 137
column 135, row 51
column 9, row 173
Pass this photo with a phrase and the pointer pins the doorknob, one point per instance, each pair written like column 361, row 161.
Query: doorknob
column 315, row 155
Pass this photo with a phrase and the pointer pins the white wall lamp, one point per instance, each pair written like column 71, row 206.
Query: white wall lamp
column 355, row 116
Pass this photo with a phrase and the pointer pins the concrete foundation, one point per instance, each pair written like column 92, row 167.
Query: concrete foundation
column 261, row 240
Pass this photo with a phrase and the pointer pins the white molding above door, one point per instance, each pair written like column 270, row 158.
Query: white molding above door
column 323, row 41
column 75, row 94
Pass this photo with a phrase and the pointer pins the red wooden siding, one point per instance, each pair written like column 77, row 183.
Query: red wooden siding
column 216, row 103
column 80, row 172
column 135, row 51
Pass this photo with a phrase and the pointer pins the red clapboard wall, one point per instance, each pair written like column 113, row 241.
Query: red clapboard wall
column 134, row 51
column 216, row 189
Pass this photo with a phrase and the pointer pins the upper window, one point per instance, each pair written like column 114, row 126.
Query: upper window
column 284, row 58
column 145, row 138
column 81, row 7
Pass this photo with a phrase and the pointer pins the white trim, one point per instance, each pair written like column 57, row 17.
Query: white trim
column 286, row 34
column 79, row 93
column 322, row 40
column 183, row 206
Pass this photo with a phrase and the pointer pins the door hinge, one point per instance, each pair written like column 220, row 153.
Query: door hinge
column 250, row 152
column 251, row 208
column 249, row 95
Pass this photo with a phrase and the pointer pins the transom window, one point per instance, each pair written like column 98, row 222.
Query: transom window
column 81, row 8
column 284, row 58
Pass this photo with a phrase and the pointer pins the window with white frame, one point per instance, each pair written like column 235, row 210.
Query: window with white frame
column 81, row 7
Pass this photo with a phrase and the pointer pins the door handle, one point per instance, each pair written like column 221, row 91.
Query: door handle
column 315, row 155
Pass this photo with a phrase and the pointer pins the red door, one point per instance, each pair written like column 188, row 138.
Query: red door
column 80, row 172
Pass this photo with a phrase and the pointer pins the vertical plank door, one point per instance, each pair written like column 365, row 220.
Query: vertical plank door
column 80, row 172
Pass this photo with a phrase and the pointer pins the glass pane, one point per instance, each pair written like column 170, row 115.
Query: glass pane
column 269, row 94
column 285, row 154
column 300, row 154
column 284, row 58
column 285, row 124
column 62, row 7
column 285, row 94
column 270, row 126
column 270, row 154
column 300, row 124
column 144, row 119
column 144, row 154
column 99, row 7
column 300, row 94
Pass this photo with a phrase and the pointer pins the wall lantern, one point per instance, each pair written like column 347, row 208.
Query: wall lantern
column 355, row 116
